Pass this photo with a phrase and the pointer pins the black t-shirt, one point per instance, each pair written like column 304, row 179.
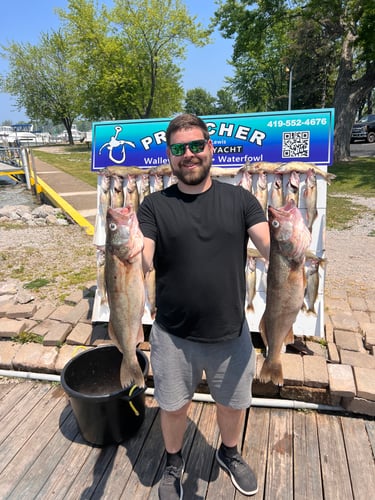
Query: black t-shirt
column 200, row 258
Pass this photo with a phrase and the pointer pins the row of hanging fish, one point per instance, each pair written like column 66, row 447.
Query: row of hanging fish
column 256, row 277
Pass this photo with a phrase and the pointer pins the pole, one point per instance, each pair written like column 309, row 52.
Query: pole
column 290, row 88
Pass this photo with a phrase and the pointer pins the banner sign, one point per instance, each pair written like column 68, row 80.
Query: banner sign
column 298, row 135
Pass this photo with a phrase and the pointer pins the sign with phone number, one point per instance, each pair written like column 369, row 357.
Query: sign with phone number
column 298, row 135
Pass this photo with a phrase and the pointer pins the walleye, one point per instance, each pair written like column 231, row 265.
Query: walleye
column 250, row 271
column 312, row 286
column 261, row 192
column 247, row 181
column 125, row 289
column 131, row 192
column 117, row 191
column 277, row 191
column 290, row 239
column 292, row 188
column 302, row 167
column 310, row 194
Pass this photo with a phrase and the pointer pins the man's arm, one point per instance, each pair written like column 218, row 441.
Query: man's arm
column 148, row 254
column 260, row 236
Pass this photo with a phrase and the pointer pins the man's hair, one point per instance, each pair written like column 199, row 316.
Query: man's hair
column 186, row 121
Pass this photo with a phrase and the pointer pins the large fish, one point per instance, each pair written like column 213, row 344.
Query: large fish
column 125, row 289
column 310, row 194
column 302, row 167
column 261, row 191
column 290, row 239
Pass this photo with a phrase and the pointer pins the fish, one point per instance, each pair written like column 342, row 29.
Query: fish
column 162, row 170
column 246, row 181
column 312, row 286
column 277, row 191
column 117, row 191
column 104, row 199
column 144, row 187
column 158, row 182
column 302, row 167
column 131, row 192
column 250, row 271
column 125, row 287
column 261, row 166
column 124, row 171
column 310, row 194
column 290, row 239
column 100, row 278
column 224, row 171
column 261, row 191
column 292, row 188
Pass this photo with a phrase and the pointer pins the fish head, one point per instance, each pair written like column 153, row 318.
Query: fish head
column 289, row 231
column 123, row 231
column 311, row 178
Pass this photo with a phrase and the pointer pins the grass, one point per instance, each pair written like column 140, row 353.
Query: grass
column 353, row 178
column 74, row 160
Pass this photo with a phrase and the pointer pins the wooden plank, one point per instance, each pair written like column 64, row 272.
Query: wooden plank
column 21, row 434
column 255, row 446
column 46, row 462
column 335, row 472
column 13, row 397
column 194, row 414
column 359, row 456
column 279, row 478
column 32, row 447
column 6, row 386
column 114, row 481
column 202, row 452
column 307, row 476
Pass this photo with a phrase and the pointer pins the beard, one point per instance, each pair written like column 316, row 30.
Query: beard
column 192, row 177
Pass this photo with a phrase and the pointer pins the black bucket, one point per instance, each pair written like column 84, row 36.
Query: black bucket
column 105, row 412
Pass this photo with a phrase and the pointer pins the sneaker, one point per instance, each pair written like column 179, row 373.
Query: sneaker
column 170, row 487
column 243, row 478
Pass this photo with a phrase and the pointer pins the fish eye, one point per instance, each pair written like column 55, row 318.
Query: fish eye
column 112, row 226
column 275, row 224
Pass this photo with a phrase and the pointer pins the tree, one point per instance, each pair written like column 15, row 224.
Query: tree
column 338, row 58
column 199, row 102
column 129, row 55
column 43, row 80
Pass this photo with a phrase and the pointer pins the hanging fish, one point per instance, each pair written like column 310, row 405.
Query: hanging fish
column 277, row 191
column 312, row 286
column 104, row 197
column 310, row 194
column 117, row 191
column 261, row 192
column 292, row 188
column 246, row 181
column 302, row 167
column 150, row 282
column 158, row 182
column 144, row 187
column 250, row 271
column 132, row 195
column 100, row 279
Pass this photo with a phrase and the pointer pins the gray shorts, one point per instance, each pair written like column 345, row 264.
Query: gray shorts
column 178, row 365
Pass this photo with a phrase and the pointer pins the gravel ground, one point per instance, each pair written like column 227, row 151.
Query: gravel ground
column 66, row 257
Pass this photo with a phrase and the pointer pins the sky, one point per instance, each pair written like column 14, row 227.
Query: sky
column 23, row 22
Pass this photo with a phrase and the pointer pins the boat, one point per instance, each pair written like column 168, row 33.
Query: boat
column 17, row 135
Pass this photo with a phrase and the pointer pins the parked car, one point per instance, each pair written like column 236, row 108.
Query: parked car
column 364, row 129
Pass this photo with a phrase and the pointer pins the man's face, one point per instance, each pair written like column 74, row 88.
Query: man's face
column 190, row 168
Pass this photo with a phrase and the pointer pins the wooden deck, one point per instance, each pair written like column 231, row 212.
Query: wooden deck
column 296, row 454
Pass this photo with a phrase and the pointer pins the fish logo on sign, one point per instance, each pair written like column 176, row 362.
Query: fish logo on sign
column 115, row 143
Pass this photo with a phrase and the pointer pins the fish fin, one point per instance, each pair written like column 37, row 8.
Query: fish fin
column 262, row 330
column 131, row 373
column 271, row 371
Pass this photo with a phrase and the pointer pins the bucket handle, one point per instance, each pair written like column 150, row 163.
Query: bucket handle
column 134, row 391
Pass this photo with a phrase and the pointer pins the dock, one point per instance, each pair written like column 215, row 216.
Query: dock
column 295, row 454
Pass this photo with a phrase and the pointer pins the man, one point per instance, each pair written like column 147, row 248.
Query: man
column 195, row 235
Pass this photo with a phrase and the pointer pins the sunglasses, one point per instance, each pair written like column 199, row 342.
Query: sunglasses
column 194, row 146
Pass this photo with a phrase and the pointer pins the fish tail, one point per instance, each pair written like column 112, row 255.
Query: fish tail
column 131, row 374
column 271, row 371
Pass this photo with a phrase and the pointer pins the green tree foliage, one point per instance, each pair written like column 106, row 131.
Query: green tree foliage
column 328, row 43
column 43, row 79
column 199, row 102
column 129, row 55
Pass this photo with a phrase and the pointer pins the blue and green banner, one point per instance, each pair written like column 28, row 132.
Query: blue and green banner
column 298, row 135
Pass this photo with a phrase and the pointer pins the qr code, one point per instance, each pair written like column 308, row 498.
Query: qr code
column 296, row 144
